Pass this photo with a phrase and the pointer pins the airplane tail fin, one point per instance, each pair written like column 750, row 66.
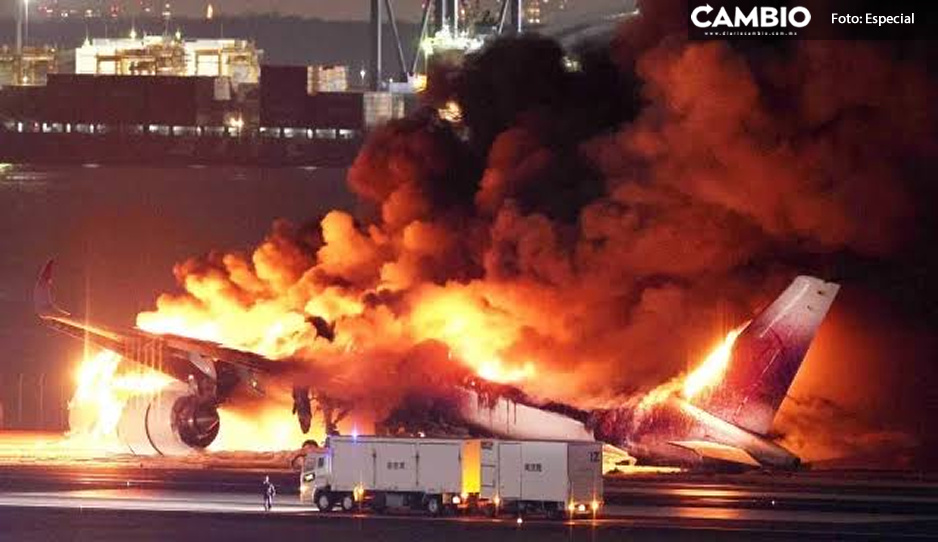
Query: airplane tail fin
column 767, row 355
column 42, row 294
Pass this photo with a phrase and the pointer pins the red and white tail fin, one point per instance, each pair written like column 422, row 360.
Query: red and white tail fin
column 767, row 355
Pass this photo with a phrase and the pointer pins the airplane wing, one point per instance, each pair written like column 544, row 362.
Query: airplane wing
column 179, row 357
column 716, row 451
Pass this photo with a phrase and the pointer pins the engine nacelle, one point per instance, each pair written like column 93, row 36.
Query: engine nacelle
column 173, row 422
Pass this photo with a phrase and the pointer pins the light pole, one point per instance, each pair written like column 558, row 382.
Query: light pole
column 25, row 22
column 19, row 28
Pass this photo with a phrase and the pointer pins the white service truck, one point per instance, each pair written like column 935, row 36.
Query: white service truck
column 519, row 476
column 383, row 472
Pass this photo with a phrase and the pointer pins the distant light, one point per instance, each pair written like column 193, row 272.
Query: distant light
column 456, row 499
column 520, row 520
column 236, row 123
column 209, row 12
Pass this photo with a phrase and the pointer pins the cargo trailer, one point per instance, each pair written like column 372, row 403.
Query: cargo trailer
column 556, row 478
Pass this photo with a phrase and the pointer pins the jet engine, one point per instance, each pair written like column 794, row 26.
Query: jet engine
column 172, row 422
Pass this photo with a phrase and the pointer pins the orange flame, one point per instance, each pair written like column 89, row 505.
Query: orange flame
column 476, row 335
column 710, row 372
column 101, row 393
column 705, row 376
column 267, row 429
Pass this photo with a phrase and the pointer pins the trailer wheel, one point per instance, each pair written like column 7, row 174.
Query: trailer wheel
column 324, row 501
column 553, row 511
column 434, row 505
column 348, row 503
column 379, row 504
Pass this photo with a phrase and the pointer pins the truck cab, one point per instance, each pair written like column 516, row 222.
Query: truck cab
column 316, row 465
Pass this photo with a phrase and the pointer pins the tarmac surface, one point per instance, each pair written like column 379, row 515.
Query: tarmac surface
column 142, row 502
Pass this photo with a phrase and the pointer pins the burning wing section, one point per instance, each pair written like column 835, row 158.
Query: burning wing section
column 184, row 415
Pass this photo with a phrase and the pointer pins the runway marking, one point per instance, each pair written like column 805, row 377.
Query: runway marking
column 747, row 493
column 169, row 501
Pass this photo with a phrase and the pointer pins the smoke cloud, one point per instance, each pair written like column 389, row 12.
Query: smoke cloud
column 587, row 231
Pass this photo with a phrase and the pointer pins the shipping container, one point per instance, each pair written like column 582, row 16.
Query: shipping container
column 283, row 95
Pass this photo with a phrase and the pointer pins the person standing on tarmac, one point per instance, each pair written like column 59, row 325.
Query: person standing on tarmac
column 269, row 492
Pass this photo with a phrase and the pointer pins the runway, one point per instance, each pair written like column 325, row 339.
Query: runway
column 105, row 503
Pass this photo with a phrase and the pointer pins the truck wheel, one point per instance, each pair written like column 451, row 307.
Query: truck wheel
column 348, row 503
column 434, row 505
column 324, row 501
column 553, row 512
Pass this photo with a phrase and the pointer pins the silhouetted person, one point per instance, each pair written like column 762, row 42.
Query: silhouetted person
column 269, row 492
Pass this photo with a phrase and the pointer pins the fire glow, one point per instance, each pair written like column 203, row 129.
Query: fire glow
column 102, row 391
column 707, row 375
column 710, row 372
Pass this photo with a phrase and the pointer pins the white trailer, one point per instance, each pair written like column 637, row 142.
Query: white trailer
column 553, row 477
column 379, row 472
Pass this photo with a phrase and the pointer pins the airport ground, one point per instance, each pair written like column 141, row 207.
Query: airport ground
column 98, row 501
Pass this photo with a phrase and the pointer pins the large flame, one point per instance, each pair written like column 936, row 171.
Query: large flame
column 101, row 393
column 270, row 428
column 475, row 337
column 104, row 385
column 710, row 372
column 705, row 376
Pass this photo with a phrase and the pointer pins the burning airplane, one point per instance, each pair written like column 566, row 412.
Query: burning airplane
column 538, row 265
column 721, row 413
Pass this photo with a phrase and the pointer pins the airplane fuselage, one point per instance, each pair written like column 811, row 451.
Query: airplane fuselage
column 684, row 434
